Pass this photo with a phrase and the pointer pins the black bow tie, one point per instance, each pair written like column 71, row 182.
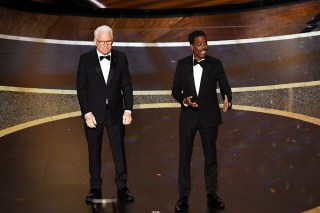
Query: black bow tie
column 195, row 62
column 106, row 57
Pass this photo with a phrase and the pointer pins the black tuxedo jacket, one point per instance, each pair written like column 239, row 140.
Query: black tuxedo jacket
column 93, row 92
column 208, row 112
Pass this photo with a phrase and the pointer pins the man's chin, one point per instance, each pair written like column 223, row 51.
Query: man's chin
column 106, row 52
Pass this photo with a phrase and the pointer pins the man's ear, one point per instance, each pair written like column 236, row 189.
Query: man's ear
column 191, row 46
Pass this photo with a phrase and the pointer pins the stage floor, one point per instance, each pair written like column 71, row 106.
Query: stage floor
column 267, row 163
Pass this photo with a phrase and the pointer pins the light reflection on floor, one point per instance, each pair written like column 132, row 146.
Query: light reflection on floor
column 267, row 163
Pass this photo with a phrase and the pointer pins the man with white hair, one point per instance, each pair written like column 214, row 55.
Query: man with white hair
column 105, row 96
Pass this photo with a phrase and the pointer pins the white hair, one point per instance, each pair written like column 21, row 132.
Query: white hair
column 103, row 28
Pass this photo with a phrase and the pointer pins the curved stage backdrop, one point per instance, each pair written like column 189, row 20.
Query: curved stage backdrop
column 273, row 73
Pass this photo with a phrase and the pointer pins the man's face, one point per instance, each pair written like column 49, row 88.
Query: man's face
column 103, row 42
column 199, row 47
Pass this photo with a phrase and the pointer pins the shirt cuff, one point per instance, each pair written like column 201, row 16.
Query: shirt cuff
column 184, row 104
column 85, row 116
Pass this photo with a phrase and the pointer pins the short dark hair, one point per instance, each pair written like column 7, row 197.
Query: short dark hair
column 194, row 34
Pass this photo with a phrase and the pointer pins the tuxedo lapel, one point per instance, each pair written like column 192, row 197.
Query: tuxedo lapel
column 96, row 64
column 205, row 72
column 189, row 72
column 113, row 66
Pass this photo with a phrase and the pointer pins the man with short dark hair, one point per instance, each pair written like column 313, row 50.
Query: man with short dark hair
column 194, row 87
column 106, row 100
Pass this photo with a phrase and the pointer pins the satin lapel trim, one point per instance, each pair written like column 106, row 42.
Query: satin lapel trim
column 204, row 75
column 191, row 77
column 96, row 64
column 113, row 66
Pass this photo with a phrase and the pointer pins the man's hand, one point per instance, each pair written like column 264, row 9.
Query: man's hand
column 225, row 103
column 126, row 118
column 90, row 120
column 189, row 102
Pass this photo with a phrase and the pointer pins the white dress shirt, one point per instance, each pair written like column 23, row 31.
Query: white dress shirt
column 105, row 66
column 197, row 74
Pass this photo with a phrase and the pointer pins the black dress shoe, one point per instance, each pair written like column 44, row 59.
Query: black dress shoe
column 215, row 201
column 93, row 194
column 181, row 204
column 125, row 194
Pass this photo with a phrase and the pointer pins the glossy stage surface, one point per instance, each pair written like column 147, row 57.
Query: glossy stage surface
column 268, row 145
column 267, row 163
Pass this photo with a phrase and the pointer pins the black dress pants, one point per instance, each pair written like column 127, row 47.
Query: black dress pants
column 94, row 136
column 186, row 141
